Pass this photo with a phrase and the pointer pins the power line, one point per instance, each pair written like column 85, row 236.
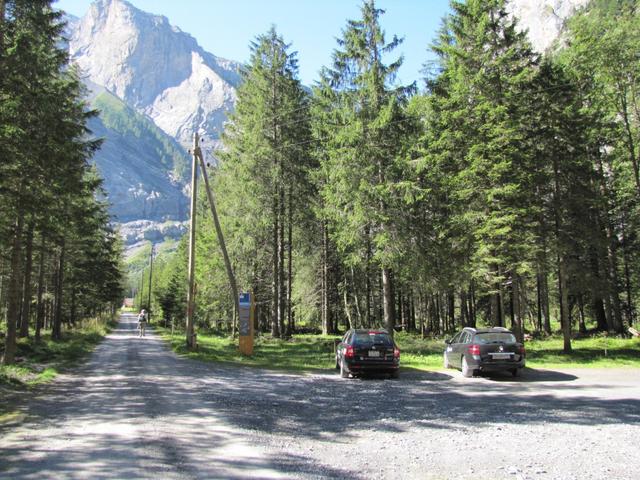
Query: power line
column 408, row 117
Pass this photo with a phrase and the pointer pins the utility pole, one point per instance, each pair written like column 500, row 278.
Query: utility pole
column 223, row 247
column 141, row 287
column 191, row 340
column 150, row 279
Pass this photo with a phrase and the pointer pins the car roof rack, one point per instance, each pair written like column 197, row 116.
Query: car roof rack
column 500, row 329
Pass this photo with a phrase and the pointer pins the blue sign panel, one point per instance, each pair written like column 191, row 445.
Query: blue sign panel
column 245, row 299
column 245, row 314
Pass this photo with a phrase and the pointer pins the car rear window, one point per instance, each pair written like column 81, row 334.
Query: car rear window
column 372, row 338
column 495, row 337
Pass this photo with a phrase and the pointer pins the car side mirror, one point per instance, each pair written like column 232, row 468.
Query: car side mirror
column 448, row 341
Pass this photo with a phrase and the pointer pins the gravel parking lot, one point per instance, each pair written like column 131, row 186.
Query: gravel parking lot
column 138, row 411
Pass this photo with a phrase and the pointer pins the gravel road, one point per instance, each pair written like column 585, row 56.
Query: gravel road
column 135, row 410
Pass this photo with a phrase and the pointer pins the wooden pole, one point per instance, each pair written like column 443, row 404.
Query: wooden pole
column 191, row 341
column 150, row 282
column 223, row 247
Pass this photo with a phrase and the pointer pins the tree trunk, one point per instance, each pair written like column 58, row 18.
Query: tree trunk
column 368, row 279
column 425, row 305
column 539, row 302
column 439, row 327
column 347, row 307
column 275, row 286
column 412, row 311
column 451, row 302
column 290, row 325
column 614, row 283
column 356, row 300
column 387, row 295
column 282, row 292
column 630, row 141
column 629, row 310
column 582, row 325
column 546, row 309
column 464, row 310
column 611, row 274
column 517, row 308
column 72, row 315
column 400, row 308
column 327, row 327
column 26, row 300
column 564, row 305
column 56, row 330
column 13, row 306
column 496, row 301
column 597, row 302
column 472, row 305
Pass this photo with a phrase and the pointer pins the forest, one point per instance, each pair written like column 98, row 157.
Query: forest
column 501, row 191
column 60, row 258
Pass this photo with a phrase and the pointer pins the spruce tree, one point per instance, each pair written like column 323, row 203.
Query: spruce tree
column 262, row 175
column 363, row 160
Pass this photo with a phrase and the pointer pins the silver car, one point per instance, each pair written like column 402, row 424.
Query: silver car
column 484, row 350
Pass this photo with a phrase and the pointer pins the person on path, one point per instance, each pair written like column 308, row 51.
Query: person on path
column 142, row 322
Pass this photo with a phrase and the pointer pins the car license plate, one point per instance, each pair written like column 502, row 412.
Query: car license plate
column 501, row 356
column 374, row 353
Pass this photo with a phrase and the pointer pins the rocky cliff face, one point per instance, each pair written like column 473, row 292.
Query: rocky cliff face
column 154, row 86
column 139, row 164
column 544, row 19
column 155, row 68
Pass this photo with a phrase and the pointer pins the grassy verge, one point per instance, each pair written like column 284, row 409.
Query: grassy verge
column 40, row 362
column 599, row 351
column 315, row 352
column 303, row 352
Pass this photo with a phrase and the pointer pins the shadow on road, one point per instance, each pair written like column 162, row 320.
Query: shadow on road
column 137, row 404
column 531, row 375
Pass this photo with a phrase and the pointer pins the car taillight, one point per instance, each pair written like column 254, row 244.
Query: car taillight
column 349, row 352
column 474, row 349
column 523, row 352
column 396, row 352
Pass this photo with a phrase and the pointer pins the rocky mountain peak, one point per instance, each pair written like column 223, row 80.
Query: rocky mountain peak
column 154, row 67
column 543, row 19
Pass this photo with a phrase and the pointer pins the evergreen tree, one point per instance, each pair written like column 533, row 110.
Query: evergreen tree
column 46, row 190
column 363, row 158
column 602, row 43
column 262, row 177
column 477, row 154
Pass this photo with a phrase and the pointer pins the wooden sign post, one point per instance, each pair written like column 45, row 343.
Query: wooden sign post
column 245, row 317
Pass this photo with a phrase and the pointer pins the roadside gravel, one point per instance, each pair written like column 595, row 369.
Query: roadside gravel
column 138, row 411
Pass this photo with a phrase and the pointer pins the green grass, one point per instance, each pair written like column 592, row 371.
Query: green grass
column 315, row 352
column 597, row 351
column 40, row 362
column 301, row 353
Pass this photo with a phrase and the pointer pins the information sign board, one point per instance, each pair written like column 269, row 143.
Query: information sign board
column 245, row 323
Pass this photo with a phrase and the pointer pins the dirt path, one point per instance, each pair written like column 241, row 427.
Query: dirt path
column 137, row 411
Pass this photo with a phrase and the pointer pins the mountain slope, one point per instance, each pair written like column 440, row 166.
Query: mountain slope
column 142, row 169
column 155, row 68
column 544, row 19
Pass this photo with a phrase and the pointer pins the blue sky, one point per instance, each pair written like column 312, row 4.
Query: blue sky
column 226, row 27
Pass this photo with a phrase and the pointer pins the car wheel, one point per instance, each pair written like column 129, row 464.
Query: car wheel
column 344, row 373
column 446, row 360
column 466, row 370
column 395, row 374
column 516, row 372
